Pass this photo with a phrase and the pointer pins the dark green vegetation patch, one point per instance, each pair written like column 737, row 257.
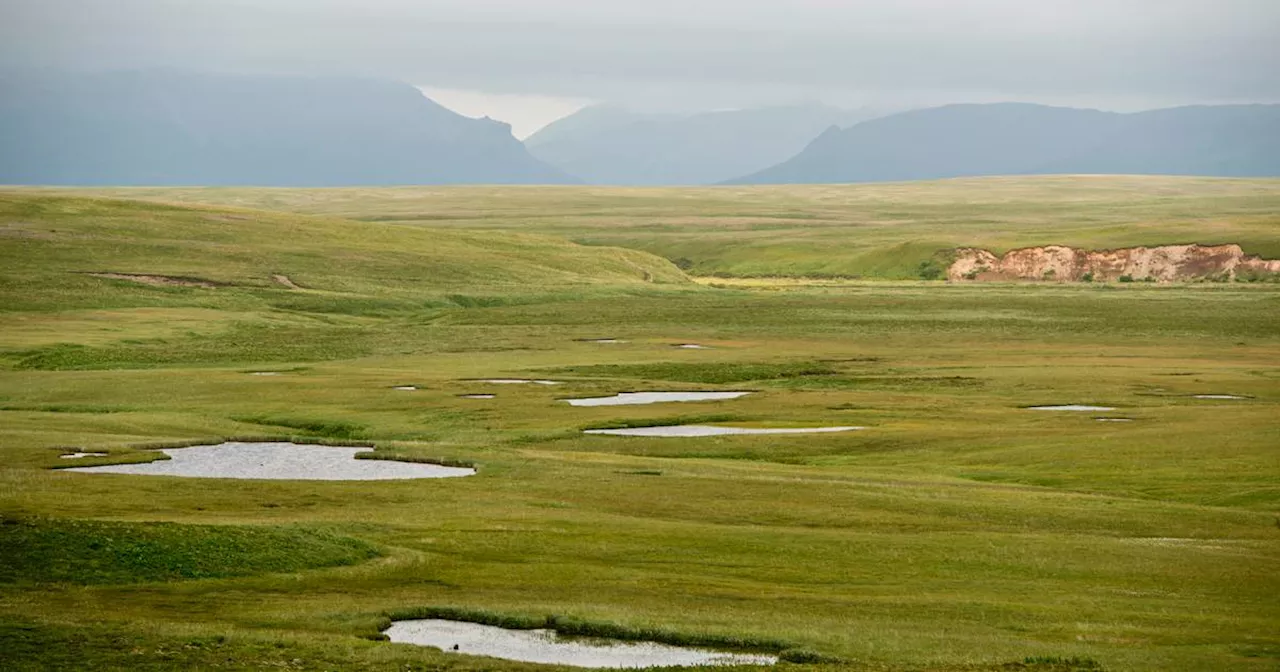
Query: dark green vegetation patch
column 46, row 550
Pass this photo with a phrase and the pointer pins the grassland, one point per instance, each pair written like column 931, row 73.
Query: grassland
column 859, row 231
column 960, row 531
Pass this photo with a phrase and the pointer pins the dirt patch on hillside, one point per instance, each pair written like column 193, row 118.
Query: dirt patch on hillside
column 1167, row 263
column 162, row 280
column 284, row 280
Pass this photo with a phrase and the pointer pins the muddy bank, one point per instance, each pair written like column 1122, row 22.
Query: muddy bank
column 1167, row 263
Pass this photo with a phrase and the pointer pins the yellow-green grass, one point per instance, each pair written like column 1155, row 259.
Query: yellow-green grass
column 871, row 230
column 958, row 531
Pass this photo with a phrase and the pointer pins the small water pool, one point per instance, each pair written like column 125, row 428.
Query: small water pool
column 278, row 461
column 544, row 646
column 636, row 398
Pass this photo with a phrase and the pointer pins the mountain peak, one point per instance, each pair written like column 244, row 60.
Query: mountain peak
column 176, row 128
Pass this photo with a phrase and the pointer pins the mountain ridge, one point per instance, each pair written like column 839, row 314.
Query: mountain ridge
column 977, row 140
column 606, row 144
column 161, row 128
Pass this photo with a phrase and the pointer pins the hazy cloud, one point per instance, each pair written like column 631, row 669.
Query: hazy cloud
column 1116, row 53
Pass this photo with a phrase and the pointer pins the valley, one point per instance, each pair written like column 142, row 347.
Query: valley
column 949, row 526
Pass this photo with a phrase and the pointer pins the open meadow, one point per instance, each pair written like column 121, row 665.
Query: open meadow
column 875, row 231
column 958, row 529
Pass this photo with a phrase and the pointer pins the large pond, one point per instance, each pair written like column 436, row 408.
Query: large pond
column 278, row 461
column 544, row 646
column 712, row 430
column 636, row 398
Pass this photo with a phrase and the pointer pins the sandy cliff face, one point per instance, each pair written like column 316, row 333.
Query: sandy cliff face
column 1167, row 263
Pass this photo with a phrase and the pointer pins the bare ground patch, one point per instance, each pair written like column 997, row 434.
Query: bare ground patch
column 161, row 280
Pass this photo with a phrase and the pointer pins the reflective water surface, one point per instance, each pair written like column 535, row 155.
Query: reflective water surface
column 543, row 646
column 634, row 398
column 278, row 461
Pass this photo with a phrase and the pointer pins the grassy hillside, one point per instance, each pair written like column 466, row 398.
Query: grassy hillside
column 959, row 531
column 48, row 237
column 873, row 231
column 103, row 283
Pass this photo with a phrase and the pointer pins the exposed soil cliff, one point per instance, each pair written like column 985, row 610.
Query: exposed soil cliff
column 1167, row 263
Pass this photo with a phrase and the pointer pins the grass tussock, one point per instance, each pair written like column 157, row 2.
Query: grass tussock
column 333, row 429
column 1061, row 664
column 707, row 419
column 89, row 409
column 418, row 459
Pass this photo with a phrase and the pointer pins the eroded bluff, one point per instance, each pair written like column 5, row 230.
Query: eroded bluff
column 1166, row 263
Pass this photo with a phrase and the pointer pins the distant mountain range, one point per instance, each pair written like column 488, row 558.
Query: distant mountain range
column 1022, row 139
column 168, row 128
column 180, row 128
column 610, row 145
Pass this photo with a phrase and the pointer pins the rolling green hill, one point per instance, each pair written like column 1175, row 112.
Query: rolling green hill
column 870, row 231
column 52, row 242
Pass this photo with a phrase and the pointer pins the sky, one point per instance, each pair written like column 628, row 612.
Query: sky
column 525, row 61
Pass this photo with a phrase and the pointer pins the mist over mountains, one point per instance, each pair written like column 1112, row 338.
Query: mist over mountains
column 1023, row 139
column 611, row 145
column 181, row 128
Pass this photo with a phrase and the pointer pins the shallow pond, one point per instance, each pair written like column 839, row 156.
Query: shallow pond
column 278, row 461
column 712, row 430
column 76, row 456
column 544, row 646
column 479, row 396
column 635, row 398
column 1114, row 419
column 406, row 388
column 1219, row 396
column 1071, row 407
column 692, row 346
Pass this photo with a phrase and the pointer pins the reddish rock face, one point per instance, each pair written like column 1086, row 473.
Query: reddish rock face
column 1168, row 263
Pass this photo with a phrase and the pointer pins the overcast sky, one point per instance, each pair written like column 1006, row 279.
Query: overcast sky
column 670, row 54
